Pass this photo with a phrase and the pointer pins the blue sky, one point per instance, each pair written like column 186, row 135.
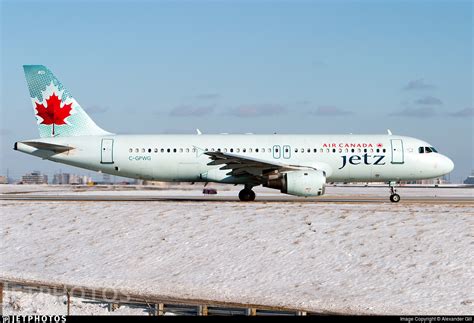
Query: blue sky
column 247, row 66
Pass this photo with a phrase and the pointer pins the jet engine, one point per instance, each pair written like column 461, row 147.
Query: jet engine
column 298, row 182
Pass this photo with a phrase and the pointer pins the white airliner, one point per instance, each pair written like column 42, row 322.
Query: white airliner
column 299, row 165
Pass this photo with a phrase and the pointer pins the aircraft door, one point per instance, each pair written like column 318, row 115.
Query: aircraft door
column 397, row 151
column 107, row 151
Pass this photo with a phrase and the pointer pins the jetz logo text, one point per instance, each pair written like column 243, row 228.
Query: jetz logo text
column 364, row 159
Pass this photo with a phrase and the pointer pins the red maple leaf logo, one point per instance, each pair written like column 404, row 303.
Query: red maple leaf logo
column 52, row 113
column 379, row 145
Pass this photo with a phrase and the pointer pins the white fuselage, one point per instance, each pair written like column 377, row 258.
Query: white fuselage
column 343, row 158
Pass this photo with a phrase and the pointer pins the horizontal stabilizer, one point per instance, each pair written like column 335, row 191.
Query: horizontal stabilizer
column 47, row 146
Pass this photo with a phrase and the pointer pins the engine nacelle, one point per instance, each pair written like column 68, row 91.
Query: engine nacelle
column 299, row 182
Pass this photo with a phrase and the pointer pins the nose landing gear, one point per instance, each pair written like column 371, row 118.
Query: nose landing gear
column 247, row 195
column 394, row 197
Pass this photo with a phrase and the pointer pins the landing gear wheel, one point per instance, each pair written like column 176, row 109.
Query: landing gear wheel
column 395, row 198
column 247, row 195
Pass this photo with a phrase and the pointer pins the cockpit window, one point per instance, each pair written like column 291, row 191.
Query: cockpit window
column 427, row 150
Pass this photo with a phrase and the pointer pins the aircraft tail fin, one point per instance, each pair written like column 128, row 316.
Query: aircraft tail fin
column 56, row 110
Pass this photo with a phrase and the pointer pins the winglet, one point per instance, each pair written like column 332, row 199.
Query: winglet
column 198, row 131
column 389, row 132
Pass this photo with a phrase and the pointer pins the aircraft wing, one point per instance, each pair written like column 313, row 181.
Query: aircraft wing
column 247, row 166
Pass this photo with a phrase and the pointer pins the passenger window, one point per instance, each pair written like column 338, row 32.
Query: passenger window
column 359, row 150
column 212, row 149
column 130, row 150
column 384, row 150
column 365, row 150
column 302, row 150
column 143, row 150
column 156, row 150
column 296, row 150
column 334, row 150
column 286, row 150
column 315, row 150
column 162, row 150
column 168, row 150
column 149, row 150
column 250, row 150
column 225, row 150
column 327, row 150
column 340, row 150
column 353, row 150
column 256, row 150
column 180, row 150
column 187, row 150
column 421, row 150
column 263, row 150
column 231, row 150
column 321, row 150
column 174, row 150
column 194, row 150
column 218, row 149
column 378, row 150
column 244, row 150
column 237, row 150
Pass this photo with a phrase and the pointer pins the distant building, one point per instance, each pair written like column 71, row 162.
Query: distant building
column 70, row 179
column 431, row 181
column 76, row 180
column 34, row 177
column 3, row 180
column 61, row 179
column 154, row 183
column 87, row 180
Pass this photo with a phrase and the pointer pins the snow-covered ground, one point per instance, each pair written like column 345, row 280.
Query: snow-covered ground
column 340, row 257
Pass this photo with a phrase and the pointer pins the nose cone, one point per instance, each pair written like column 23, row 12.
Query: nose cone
column 447, row 165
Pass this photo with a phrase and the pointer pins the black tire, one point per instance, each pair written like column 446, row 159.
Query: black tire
column 246, row 195
column 252, row 195
column 395, row 198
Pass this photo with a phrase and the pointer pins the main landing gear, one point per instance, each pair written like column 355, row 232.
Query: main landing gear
column 247, row 195
column 394, row 197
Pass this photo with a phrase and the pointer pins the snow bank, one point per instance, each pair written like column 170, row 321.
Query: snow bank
column 348, row 258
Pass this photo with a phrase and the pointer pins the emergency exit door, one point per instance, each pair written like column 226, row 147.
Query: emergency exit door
column 107, row 151
column 397, row 151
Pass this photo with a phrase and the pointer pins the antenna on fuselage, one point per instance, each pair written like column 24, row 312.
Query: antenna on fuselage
column 198, row 131
column 389, row 132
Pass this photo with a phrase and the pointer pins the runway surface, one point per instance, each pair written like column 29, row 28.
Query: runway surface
column 266, row 198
